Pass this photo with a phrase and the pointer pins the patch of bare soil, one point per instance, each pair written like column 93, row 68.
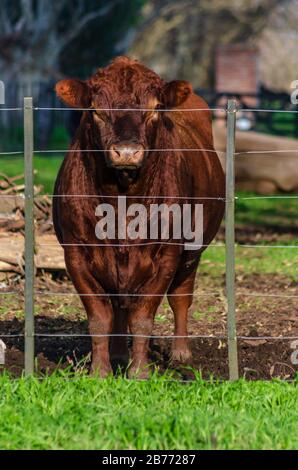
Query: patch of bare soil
column 256, row 316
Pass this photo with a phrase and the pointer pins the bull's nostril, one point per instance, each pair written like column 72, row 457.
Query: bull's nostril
column 126, row 154
column 116, row 153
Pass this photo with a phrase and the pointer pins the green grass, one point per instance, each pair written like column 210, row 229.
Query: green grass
column 88, row 413
column 266, row 212
column 281, row 123
column 46, row 165
column 267, row 260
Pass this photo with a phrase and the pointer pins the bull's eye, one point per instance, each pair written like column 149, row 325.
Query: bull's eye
column 153, row 114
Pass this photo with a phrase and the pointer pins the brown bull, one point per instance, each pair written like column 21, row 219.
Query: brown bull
column 120, row 151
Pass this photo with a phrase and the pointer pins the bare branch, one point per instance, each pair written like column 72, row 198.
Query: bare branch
column 45, row 17
column 78, row 12
column 5, row 22
column 27, row 11
column 50, row 9
column 80, row 25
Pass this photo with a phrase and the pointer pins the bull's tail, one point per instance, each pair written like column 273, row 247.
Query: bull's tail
column 119, row 344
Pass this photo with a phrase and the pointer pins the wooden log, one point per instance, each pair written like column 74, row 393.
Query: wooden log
column 274, row 170
column 48, row 258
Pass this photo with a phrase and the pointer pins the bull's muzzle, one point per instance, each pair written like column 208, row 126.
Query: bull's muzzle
column 126, row 155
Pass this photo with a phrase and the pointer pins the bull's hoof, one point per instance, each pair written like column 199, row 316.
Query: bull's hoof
column 100, row 371
column 139, row 373
column 181, row 355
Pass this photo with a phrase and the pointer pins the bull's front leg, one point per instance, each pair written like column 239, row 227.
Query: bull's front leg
column 141, row 318
column 140, row 323
column 98, row 309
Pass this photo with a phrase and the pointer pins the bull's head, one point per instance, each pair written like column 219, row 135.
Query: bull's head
column 125, row 99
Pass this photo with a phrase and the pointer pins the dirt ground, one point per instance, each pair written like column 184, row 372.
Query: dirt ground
column 256, row 316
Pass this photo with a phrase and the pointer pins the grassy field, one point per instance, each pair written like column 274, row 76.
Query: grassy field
column 86, row 413
column 46, row 168
column 267, row 260
column 281, row 123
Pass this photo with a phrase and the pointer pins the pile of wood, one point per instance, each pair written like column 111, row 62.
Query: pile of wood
column 12, row 227
column 12, row 203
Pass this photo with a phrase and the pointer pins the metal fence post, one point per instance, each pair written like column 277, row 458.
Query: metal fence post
column 230, row 239
column 29, row 236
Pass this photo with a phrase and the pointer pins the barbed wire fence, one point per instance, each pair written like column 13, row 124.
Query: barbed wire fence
column 230, row 199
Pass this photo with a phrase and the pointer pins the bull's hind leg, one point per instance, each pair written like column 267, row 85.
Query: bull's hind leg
column 180, row 299
column 141, row 318
column 99, row 312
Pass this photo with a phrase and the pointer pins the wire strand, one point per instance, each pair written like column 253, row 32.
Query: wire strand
column 11, row 336
column 132, row 196
column 269, row 152
column 147, row 150
column 10, row 293
column 11, row 109
column 132, row 335
column 165, row 110
column 237, row 198
column 17, row 195
column 240, row 198
column 221, row 109
column 104, row 294
column 201, row 198
column 117, row 335
column 204, row 294
column 12, row 153
column 127, row 335
column 243, row 245
column 258, row 110
column 132, row 245
column 222, row 152
column 245, row 110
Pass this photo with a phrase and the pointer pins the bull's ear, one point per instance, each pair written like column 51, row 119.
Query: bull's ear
column 74, row 93
column 176, row 92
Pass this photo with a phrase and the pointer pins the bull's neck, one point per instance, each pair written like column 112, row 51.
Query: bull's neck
column 113, row 181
